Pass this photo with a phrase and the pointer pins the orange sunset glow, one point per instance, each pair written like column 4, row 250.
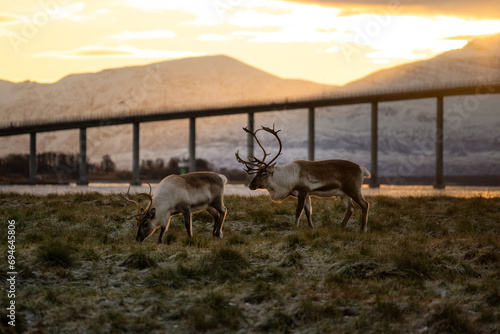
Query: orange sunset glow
column 331, row 42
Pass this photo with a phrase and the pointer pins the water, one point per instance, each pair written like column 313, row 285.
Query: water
column 239, row 189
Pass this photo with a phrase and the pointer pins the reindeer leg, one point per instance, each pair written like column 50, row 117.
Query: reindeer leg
column 365, row 206
column 160, row 238
column 349, row 209
column 308, row 211
column 186, row 212
column 163, row 229
column 218, row 211
column 214, row 213
column 222, row 216
column 300, row 207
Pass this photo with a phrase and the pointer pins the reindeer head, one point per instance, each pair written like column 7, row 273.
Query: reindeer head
column 263, row 170
column 145, row 217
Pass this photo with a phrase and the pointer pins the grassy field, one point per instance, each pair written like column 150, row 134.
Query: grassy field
column 427, row 265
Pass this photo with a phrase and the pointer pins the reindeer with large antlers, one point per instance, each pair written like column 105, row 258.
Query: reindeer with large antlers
column 303, row 179
column 181, row 194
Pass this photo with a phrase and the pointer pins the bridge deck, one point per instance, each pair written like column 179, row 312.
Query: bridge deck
column 141, row 116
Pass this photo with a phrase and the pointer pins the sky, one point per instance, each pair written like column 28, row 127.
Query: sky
column 326, row 41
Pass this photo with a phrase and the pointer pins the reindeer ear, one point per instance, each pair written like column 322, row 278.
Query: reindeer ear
column 152, row 212
column 270, row 168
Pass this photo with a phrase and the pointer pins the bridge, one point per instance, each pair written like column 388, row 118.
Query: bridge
column 372, row 98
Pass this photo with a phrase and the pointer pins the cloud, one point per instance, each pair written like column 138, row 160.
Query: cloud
column 7, row 18
column 258, row 15
column 152, row 34
column 242, row 13
column 214, row 37
column 478, row 9
column 292, row 34
column 395, row 54
column 332, row 49
column 69, row 11
column 115, row 52
column 99, row 52
column 5, row 32
column 205, row 12
column 155, row 5
column 45, row 12
column 432, row 35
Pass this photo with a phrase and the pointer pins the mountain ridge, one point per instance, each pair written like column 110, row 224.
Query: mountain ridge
column 173, row 83
column 455, row 66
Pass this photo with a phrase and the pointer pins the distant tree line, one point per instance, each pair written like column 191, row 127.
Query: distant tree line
column 158, row 169
column 15, row 164
column 63, row 167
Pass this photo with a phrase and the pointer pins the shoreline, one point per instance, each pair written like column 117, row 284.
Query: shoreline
column 242, row 190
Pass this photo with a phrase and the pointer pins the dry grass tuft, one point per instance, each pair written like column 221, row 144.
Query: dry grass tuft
column 449, row 319
column 140, row 260
column 55, row 253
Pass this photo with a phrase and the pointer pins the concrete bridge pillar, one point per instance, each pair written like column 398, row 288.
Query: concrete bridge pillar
column 250, row 126
column 439, row 144
column 311, row 132
column 82, row 157
column 135, row 155
column 192, row 144
column 33, row 158
column 374, row 147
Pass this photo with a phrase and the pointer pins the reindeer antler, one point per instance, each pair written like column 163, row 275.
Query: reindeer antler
column 275, row 133
column 135, row 202
column 148, row 195
column 253, row 164
column 131, row 201
column 250, row 165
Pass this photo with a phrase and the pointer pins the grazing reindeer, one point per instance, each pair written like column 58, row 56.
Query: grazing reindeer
column 184, row 194
column 302, row 179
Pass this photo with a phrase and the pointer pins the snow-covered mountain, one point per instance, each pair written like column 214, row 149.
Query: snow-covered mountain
column 406, row 129
column 176, row 83
column 478, row 61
